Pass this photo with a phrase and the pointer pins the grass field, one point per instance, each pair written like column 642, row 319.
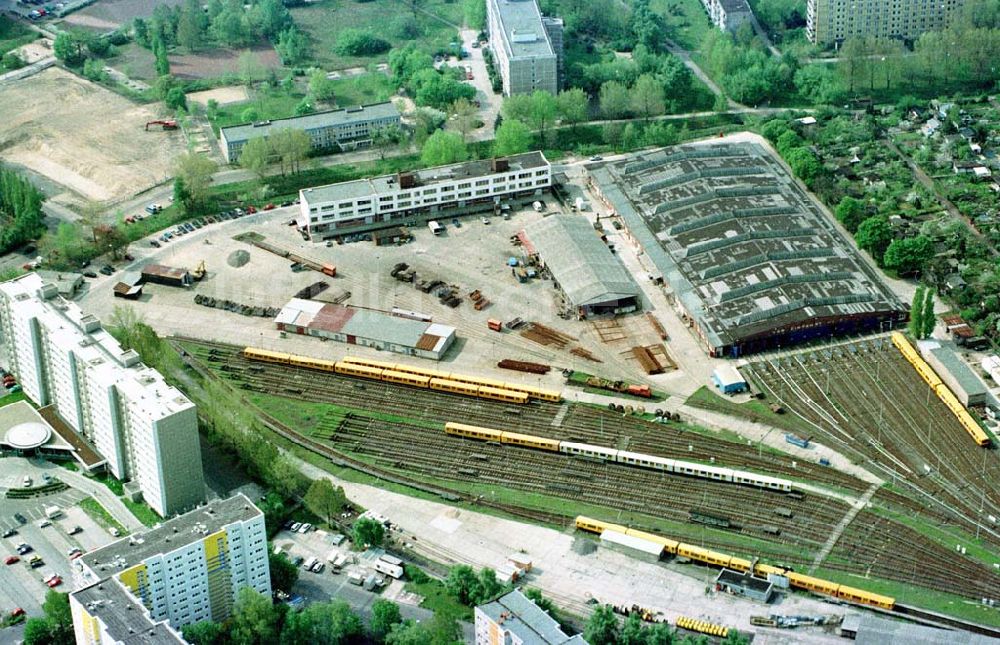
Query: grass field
column 324, row 21
column 142, row 512
column 135, row 62
column 12, row 398
column 13, row 35
column 101, row 515
column 686, row 21
column 362, row 90
column 265, row 103
column 706, row 399
column 436, row 597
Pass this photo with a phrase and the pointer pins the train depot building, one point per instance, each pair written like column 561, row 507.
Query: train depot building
column 389, row 200
column 752, row 263
column 367, row 327
column 593, row 280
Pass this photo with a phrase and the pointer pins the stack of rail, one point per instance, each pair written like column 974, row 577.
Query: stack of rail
column 937, row 385
column 409, row 375
column 715, row 558
column 327, row 269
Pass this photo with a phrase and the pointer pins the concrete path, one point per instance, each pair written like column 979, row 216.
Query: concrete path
column 837, row 532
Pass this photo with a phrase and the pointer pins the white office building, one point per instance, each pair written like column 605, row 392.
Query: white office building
column 728, row 15
column 188, row 569
column 145, row 430
column 527, row 47
column 379, row 202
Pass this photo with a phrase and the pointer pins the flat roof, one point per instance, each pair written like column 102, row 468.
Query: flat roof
column 365, row 323
column 389, row 184
column 163, row 270
column 744, row 580
column 519, row 615
column 632, row 542
column 586, row 270
column 728, row 375
column 744, row 248
column 315, row 121
column 124, row 617
column 959, row 370
column 523, row 32
column 170, row 535
column 875, row 630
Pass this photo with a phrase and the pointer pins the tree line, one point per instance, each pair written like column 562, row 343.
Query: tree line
column 20, row 210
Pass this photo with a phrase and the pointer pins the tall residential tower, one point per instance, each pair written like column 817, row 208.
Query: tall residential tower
column 833, row 21
column 527, row 47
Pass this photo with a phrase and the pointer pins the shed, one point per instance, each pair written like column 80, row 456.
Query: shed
column 744, row 584
column 583, row 266
column 729, row 380
column 162, row 274
column 394, row 235
column 959, row 377
column 636, row 547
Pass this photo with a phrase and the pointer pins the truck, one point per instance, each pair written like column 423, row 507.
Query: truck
column 391, row 570
column 310, row 563
column 435, row 227
column 355, row 579
column 493, row 324
column 52, row 512
column 538, row 206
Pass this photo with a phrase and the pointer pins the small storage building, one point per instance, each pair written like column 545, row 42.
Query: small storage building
column 729, row 380
column 959, row 377
column 631, row 545
column 171, row 276
column 744, row 584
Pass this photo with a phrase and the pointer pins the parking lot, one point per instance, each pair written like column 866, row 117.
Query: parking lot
column 20, row 584
column 327, row 585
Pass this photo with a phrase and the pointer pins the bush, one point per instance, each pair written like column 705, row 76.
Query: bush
column 405, row 27
column 360, row 42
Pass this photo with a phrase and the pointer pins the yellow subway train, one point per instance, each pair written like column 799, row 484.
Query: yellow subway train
column 707, row 556
column 969, row 423
column 382, row 371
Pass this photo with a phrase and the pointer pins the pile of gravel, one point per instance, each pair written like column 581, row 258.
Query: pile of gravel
column 237, row 259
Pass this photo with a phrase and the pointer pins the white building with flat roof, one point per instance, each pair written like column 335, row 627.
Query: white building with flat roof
column 186, row 570
column 379, row 202
column 527, row 47
column 145, row 429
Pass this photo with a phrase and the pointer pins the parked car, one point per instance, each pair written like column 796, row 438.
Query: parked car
column 188, row 226
column 26, row 482
column 107, row 269
column 75, row 530
column 129, row 257
column 11, row 559
column 456, row 223
column 152, row 209
column 20, row 518
column 296, row 526
column 17, row 612
column 45, row 524
column 114, row 532
column 36, row 561
column 269, row 207
column 285, row 204
column 23, row 548
column 10, row 532
column 251, row 209
column 154, row 244
column 89, row 274
column 54, row 582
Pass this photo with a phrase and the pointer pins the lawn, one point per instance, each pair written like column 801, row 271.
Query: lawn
column 142, row 512
column 101, row 515
column 685, row 20
column 436, row 596
column 706, row 399
column 264, row 104
column 362, row 90
column 323, row 21
column 13, row 35
column 12, row 398
column 135, row 62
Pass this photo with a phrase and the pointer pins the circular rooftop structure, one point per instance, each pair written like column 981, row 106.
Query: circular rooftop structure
column 27, row 436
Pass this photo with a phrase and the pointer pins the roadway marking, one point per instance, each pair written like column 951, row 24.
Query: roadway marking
column 844, row 522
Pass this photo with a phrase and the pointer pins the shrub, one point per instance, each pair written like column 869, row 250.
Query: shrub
column 360, row 42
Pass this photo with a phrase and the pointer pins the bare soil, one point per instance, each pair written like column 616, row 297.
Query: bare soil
column 217, row 62
column 111, row 14
column 83, row 136
column 222, row 95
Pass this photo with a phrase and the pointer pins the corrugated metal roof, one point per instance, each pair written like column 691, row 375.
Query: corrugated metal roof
column 581, row 263
column 874, row 630
column 728, row 375
column 959, row 370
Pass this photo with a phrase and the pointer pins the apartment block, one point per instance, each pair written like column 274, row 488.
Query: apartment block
column 329, row 130
column 833, row 21
column 513, row 619
column 146, row 587
column 527, row 47
column 728, row 15
column 145, row 430
column 379, row 202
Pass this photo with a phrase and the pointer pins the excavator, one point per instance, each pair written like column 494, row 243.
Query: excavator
column 167, row 124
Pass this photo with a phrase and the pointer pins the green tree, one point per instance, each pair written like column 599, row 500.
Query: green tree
column 542, row 112
column 256, row 155
column 56, row 627
column 463, row 584
column 908, row 256
column 385, row 615
column 648, row 97
column 660, row 634
column 111, row 239
column 196, row 170
column 320, row 86
column 250, row 68
column 181, row 195
column 160, row 53
column 291, row 146
column 535, row 596
column 204, row 632
column 284, row 573
column 602, row 627
column 489, row 586
column 804, row 164
column 573, row 106
column 386, row 138
column 322, row 623
column 874, row 235
column 176, row 99
column 475, row 14
column 928, row 319
column 68, row 48
column 255, row 619
column 850, row 212
column 192, row 26
column 614, row 100
column 512, row 137
column 271, row 17
column 37, row 631
column 917, row 312
column 633, row 631
column 325, row 500
column 292, row 46
column 444, row 147
column 367, row 531
column 231, row 26
column 359, row 42
column 464, row 117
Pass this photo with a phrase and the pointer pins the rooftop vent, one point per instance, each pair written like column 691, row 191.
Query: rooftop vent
column 260, row 124
column 90, row 323
column 523, row 37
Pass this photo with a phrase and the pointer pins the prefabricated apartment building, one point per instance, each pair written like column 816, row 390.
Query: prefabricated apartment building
column 750, row 260
column 327, row 130
column 380, row 202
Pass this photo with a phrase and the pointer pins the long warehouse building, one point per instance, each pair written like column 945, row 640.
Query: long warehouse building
column 146, row 430
column 751, row 261
column 382, row 202
column 594, row 281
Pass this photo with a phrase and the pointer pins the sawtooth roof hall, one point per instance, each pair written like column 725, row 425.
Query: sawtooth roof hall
column 751, row 260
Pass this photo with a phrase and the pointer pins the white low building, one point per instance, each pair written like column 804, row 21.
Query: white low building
column 381, row 202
